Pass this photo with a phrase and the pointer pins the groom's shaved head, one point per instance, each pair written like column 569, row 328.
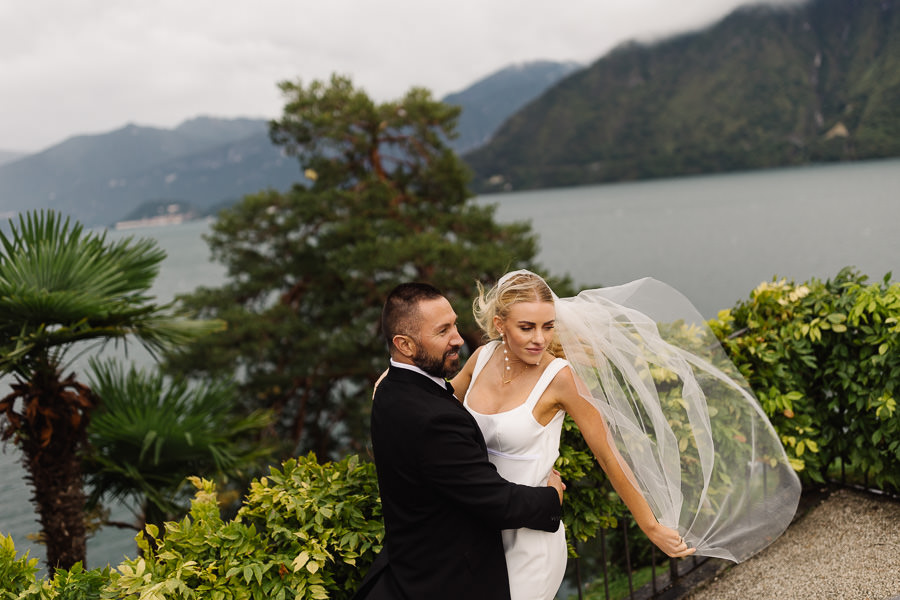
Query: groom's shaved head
column 401, row 315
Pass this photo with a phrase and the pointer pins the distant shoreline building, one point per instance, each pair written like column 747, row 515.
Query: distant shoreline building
column 171, row 214
column 157, row 221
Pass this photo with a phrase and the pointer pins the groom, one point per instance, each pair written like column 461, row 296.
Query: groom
column 444, row 504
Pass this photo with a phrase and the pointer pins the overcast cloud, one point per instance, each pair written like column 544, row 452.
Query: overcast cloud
column 90, row 66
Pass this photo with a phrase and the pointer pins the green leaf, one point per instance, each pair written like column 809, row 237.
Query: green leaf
column 300, row 561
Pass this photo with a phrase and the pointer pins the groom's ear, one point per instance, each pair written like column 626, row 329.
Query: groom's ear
column 405, row 345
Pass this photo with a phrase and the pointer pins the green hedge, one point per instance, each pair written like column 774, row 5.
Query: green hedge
column 824, row 360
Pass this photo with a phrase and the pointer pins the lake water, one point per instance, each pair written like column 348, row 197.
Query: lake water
column 715, row 238
column 712, row 237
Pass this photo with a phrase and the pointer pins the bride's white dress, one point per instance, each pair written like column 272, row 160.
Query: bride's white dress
column 524, row 452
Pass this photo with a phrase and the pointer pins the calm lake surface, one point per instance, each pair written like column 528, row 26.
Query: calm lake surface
column 714, row 238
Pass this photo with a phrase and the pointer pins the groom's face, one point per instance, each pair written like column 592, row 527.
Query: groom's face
column 438, row 341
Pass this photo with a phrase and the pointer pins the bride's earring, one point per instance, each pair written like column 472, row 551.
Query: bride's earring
column 505, row 359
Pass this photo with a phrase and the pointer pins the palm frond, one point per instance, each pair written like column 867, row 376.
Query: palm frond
column 60, row 285
column 162, row 331
column 150, row 433
column 52, row 271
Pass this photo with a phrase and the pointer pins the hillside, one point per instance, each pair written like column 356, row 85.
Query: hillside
column 101, row 178
column 7, row 156
column 488, row 102
column 764, row 87
column 209, row 163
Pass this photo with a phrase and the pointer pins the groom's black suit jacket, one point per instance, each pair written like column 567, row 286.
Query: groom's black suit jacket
column 444, row 504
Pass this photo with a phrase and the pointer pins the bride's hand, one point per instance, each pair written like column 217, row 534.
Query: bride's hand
column 383, row 375
column 555, row 481
column 669, row 541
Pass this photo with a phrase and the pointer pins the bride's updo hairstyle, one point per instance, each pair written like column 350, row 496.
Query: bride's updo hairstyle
column 510, row 290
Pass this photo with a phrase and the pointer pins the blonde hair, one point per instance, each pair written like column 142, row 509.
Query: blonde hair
column 520, row 287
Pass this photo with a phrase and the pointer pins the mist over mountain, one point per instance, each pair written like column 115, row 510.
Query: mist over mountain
column 766, row 86
column 7, row 156
column 208, row 163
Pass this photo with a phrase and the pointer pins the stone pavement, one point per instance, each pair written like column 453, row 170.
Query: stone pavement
column 845, row 548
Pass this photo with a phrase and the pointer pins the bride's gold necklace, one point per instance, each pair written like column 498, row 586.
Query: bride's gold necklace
column 508, row 378
column 507, row 370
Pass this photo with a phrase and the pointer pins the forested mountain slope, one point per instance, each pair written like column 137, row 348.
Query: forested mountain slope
column 488, row 102
column 766, row 86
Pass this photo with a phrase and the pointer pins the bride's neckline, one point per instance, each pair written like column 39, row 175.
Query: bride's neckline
column 481, row 369
column 493, row 414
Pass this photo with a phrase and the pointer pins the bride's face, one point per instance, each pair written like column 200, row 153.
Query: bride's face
column 528, row 330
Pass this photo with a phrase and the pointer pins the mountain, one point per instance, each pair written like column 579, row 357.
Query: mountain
column 487, row 103
column 99, row 179
column 208, row 163
column 225, row 171
column 766, row 86
column 6, row 156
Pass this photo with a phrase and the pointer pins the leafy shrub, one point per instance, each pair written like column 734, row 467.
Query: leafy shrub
column 824, row 360
column 17, row 579
column 306, row 531
column 16, row 574
column 74, row 584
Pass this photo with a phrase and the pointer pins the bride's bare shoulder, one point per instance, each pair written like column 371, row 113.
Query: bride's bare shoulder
column 563, row 386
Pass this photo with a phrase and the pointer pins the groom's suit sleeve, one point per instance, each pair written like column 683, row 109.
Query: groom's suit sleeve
column 454, row 462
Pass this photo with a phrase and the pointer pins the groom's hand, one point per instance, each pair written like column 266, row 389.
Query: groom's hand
column 556, row 482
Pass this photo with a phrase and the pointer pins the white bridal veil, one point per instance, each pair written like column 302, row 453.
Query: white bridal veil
column 694, row 438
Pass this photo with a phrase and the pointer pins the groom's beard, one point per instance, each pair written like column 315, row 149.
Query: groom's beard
column 444, row 366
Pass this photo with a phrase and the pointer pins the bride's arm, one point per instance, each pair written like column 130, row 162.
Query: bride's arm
column 462, row 380
column 380, row 377
column 592, row 426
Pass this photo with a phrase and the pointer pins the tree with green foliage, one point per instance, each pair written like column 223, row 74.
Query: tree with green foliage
column 62, row 289
column 150, row 434
column 384, row 201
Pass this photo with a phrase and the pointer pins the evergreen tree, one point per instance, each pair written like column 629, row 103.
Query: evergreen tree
column 384, row 200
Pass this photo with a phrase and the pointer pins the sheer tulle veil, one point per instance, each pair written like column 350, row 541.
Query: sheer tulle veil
column 693, row 438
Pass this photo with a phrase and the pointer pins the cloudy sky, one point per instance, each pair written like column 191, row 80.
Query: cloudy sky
column 90, row 66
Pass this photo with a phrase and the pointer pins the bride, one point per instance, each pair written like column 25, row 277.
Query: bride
column 664, row 420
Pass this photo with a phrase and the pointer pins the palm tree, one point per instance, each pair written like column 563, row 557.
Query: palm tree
column 150, row 434
column 65, row 289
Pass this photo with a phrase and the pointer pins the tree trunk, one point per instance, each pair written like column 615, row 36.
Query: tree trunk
column 51, row 431
column 55, row 475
